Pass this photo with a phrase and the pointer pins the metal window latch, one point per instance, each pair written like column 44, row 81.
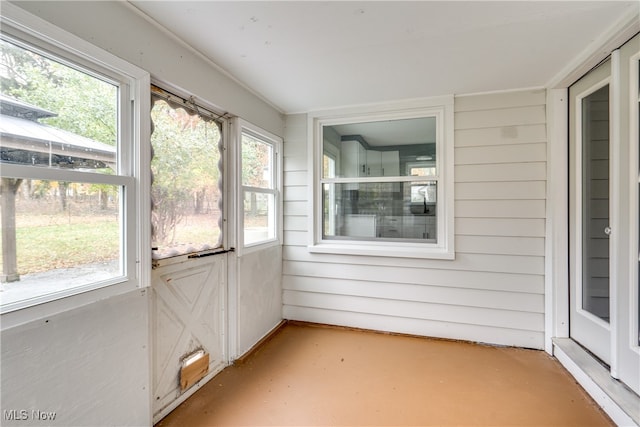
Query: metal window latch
column 607, row 231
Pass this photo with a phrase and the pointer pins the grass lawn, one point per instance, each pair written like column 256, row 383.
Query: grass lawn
column 47, row 247
column 48, row 242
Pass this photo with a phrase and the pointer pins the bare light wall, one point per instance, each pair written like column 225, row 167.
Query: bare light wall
column 87, row 366
column 493, row 291
column 259, row 295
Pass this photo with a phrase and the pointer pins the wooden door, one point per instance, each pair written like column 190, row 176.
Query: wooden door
column 188, row 315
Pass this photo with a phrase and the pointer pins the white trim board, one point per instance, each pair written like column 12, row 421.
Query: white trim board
column 557, row 214
column 619, row 403
column 598, row 50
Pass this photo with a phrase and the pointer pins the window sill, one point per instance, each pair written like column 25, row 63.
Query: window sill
column 384, row 249
column 31, row 309
column 254, row 247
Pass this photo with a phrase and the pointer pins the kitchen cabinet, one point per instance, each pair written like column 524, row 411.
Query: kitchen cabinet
column 374, row 166
column 359, row 225
column 357, row 161
column 353, row 159
column 407, row 227
column 390, row 226
column 390, row 163
column 415, row 227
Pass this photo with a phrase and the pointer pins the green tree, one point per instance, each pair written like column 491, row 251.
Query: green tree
column 184, row 167
column 83, row 104
column 255, row 158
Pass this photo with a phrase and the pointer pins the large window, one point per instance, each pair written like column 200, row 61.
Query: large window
column 186, row 186
column 69, row 169
column 259, row 169
column 384, row 183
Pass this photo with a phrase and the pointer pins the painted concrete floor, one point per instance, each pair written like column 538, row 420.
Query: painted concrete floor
column 307, row 375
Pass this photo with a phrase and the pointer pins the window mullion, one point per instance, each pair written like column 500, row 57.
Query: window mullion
column 380, row 179
column 259, row 189
column 52, row 174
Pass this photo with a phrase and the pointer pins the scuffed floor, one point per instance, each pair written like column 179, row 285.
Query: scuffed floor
column 308, row 375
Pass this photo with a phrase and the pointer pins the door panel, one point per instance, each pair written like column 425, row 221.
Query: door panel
column 188, row 312
column 628, row 300
column 589, row 209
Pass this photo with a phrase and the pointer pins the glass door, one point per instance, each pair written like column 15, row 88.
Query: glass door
column 590, row 287
column 604, row 208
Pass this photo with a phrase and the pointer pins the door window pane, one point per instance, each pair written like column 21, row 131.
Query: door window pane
column 595, row 203
column 185, row 190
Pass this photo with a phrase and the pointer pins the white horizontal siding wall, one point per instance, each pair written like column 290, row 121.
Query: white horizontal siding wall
column 493, row 291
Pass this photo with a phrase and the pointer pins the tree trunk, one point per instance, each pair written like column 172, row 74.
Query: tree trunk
column 8, row 189
column 104, row 199
column 62, row 188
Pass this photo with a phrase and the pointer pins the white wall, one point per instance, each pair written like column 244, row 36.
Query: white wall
column 493, row 291
column 89, row 365
column 260, row 300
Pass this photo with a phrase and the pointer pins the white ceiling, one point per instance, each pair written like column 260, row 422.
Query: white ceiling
column 306, row 55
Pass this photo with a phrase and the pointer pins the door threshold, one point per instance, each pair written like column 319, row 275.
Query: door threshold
column 620, row 403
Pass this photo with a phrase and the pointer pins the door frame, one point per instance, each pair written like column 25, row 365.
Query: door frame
column 585, row 327
column 626, row 65
column 557, row 340
column 624, row 350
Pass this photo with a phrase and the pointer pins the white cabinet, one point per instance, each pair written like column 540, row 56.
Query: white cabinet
column 407, row 227
column 353, row 159
column 383, row 163
column 415, row 227
column 390, row 226
column 374, row 167
column 359, row 225
column 389, row 163
column 357, row 161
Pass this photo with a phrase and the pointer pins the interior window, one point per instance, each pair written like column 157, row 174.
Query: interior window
column 186, row 195
column 384, row 180
column 386, row 187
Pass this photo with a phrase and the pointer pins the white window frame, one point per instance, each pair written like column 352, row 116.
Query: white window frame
column 442, row 109
column 132, row 170
column 634, row 196
column 240, row 127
